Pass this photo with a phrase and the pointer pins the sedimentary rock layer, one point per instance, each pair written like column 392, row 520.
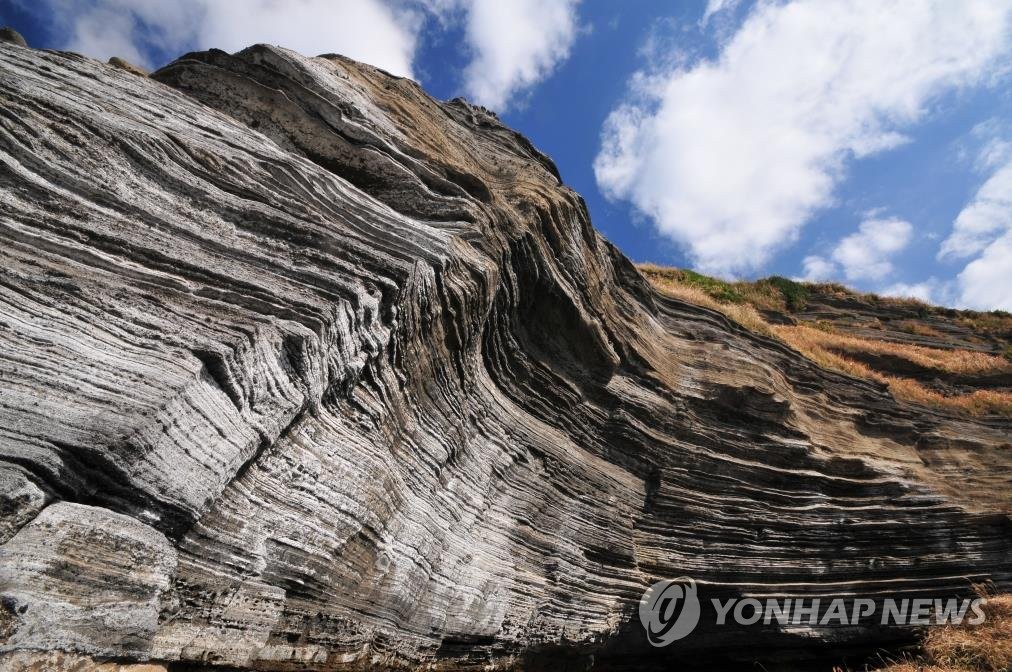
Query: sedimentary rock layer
column 303, row 369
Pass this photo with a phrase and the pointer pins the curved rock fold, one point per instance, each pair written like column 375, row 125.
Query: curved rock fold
column 303, row 369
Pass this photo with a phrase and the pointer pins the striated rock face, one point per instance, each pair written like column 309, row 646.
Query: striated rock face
column 303, row 369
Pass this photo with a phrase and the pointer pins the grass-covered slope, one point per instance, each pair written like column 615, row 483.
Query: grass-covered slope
column 946, row 358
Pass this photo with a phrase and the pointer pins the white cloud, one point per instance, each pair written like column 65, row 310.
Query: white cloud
column 986, row 216
column 372, row 31
column 929, row 291
column 714, row 7
column 984, row 228
column 986, row 282
column 864, row 255
column 920, row 290
column 731, row 157
column 995, row 152
column 818, row 268
column 367, row 30
column 512, row 45
column 106, row 31
column 515, row 45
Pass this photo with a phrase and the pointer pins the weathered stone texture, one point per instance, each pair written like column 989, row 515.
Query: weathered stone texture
column 303, row 369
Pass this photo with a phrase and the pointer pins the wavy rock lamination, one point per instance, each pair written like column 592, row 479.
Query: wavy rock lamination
column 303, row 369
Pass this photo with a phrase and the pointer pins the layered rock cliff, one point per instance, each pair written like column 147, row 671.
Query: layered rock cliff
column 304, row 369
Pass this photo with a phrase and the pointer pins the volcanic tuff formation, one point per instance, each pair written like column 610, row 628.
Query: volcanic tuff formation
column 303, row 369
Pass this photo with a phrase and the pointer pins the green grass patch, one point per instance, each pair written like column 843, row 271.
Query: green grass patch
column 795, row 294
column 715, row 287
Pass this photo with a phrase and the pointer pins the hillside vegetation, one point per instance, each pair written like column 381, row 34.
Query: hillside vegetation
column 941, row 357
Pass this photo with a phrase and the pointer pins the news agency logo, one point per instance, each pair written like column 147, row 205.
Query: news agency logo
column 669, row 610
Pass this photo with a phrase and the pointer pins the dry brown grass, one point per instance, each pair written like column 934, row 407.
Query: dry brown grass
column 912, row 666
column 918, row 329
column 979, row 402
column 986, row 647
column 762, row 294
column 818, row 344
column 742, row 313
column 996, row 321
column 748, row 317
column 955, row 361
column 812, row 343
column 904, row 301
column 692, row 295
column 807, row 341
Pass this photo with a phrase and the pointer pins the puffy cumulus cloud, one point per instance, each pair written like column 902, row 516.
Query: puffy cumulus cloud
column 373, row 31
column 512, row 45
column 730, row 157
column 986, row 216
column 931, row 290
column 986, row 282
column 983, row 229
column 818, row 268
column 863, row 255
column 515, row 44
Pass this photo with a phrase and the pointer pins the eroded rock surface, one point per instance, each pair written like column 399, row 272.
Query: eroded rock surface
column 349, row 373
column 93, row 581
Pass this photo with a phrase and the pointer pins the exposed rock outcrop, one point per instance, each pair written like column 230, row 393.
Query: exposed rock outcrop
column 94, row 580
column 303, row 369
column 124, row 64
column 11, row 36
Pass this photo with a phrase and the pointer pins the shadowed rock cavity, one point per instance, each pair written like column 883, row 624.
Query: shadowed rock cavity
column 304, row 369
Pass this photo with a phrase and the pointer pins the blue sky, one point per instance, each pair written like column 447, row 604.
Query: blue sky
column 865, row 141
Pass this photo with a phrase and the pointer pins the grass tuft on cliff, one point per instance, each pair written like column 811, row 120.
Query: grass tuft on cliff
column 986, row 647
column 774, row 293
